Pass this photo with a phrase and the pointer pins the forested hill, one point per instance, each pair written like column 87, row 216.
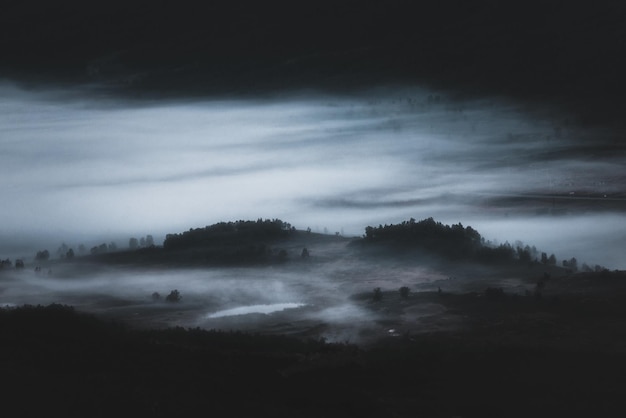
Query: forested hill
column 225, row 233
column 225, row 243
column 247, row 242
column 234, row 243
column 449, row 241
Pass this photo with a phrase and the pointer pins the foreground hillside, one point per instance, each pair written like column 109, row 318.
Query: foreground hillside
column 519, row 357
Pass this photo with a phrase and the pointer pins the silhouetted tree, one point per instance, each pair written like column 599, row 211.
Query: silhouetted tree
column 552, row 260
column 112, row 246
column 62, row 250
column 500, row 254
column 404, row 292
column 174, row 296
column 524, row 254
column 133, row 243
column 572, row 264
column 70, row 254
column 544, row 258
column 378, row 295
column 156, row 296
column 149, row 240
column 19, row 264
column 142, row 242
column 42, row 255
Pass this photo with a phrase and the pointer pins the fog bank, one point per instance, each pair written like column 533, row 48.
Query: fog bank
column 74, row 167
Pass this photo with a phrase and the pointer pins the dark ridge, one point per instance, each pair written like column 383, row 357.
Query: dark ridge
column 567, row 53
column 238, row 243
column 76, row 365
column 454, row 242
column 56, row 361
column 224, row 233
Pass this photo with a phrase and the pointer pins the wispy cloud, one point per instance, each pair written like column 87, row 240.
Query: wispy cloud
column 71, row 163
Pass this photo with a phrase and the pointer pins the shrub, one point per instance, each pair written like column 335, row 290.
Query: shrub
column 174, row 296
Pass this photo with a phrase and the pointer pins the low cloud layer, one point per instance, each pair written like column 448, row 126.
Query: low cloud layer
column 74, row 169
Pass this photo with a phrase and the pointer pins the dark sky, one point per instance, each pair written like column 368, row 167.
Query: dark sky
column 555, row 51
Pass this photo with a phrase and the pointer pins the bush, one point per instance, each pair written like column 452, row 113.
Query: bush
column 174, row 296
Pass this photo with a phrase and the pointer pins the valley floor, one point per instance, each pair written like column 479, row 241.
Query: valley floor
column 454, row 353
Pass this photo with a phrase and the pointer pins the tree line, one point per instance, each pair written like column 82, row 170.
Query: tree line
column 229, row 233
column 455, row 242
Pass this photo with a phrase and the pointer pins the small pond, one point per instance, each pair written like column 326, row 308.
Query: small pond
column 255, row 309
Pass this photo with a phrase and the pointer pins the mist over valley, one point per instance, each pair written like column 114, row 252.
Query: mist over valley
column 305, row 209
column 80, row 171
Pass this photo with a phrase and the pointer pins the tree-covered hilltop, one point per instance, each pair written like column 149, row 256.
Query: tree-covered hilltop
column 229, row 233
column 451, row 241
column 428, row 234
column 233, row 243
column 248, row 242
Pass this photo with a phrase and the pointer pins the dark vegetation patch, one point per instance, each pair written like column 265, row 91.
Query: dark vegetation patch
column 229, row 233
column 239, row 243
column 265, row 241
column 451, row 242
column 74, row 364
column 517, row 355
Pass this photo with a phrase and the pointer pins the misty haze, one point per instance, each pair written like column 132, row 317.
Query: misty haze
column 84, row 171
column 312, row 209
column 80, row 171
